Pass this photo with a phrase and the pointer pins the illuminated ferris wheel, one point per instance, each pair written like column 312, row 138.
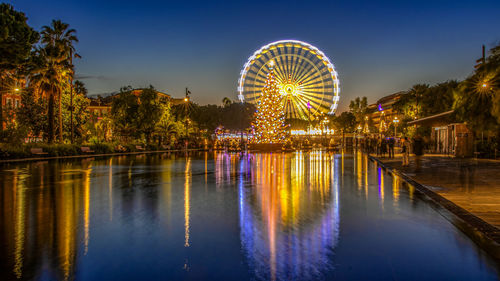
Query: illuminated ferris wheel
column 309, row 85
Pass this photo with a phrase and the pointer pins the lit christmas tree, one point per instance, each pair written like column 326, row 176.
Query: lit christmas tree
column 269, row 119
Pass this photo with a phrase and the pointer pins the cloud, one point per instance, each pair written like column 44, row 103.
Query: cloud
column 96, row 77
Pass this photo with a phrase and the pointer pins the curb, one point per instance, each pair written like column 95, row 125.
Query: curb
column 482, row 233
column 8, row 161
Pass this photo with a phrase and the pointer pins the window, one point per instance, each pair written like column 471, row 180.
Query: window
column 17, row 103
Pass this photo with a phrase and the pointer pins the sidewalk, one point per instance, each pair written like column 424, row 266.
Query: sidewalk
column 473, row 184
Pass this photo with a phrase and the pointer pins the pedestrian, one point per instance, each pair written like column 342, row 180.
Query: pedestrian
column 383, row 147
column 390, row 144
column 378, row 145
column 418, row 150
column 405, row 150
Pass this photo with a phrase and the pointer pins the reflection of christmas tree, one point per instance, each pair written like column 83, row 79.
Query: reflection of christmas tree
column 269, row 119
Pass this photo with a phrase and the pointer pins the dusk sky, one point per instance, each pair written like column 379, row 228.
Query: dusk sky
column 378, row 48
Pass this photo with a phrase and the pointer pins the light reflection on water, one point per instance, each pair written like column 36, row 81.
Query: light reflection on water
column 222, row 216
column 289, row 219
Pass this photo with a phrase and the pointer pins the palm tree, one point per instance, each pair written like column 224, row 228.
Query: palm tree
column 60, row 38
column 48, row 79
column 474, row 100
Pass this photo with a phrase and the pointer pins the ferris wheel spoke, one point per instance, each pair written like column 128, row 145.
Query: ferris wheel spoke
column 295, row 111
column 283, row 59
column 313, row 80
column 308, row 71
column 277, row 68
column 302, row 107
column 299, row 68
column 313, row 98
column 307, row 76
column 293, row 67
column 280, row 68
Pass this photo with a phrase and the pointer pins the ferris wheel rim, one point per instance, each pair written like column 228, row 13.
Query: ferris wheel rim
column 320, row 55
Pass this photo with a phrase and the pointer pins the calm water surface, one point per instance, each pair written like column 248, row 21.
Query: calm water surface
column 225, row 216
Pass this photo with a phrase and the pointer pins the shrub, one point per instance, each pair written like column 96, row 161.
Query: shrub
column 102, row 148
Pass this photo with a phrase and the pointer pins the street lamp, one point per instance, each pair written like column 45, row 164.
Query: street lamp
column 396, row 121
column 186, row 107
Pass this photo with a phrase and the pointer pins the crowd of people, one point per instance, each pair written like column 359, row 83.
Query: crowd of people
column 385, row 146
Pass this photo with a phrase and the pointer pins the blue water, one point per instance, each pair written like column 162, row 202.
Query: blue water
column 220, row 216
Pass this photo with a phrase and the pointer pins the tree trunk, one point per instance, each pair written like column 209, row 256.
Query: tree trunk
column 2, row 89
column 51, row 120
column 1, row 110
column 60, row 119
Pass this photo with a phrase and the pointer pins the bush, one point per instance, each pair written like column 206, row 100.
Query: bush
column 103, row 148
column 152, row 147
column 10, row 151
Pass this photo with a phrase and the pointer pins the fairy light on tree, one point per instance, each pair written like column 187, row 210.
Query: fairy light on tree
column 269, row 118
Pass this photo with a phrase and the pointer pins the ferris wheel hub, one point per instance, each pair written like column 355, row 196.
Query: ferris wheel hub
column 289, row 90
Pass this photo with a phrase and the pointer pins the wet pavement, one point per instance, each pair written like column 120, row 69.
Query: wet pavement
column 473, row 184
column 225, row 216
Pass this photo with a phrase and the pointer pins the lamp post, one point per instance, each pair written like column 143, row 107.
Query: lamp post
column 396, row 121
column 186, row 107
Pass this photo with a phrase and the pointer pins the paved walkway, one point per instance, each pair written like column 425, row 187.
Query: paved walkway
column 471, row 184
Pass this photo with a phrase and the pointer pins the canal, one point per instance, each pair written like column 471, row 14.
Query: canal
column 222, row 216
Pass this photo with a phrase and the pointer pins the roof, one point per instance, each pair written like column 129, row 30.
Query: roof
column 390, row 98
column 440, row 117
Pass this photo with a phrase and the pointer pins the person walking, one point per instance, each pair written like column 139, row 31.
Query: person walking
column 418, row 150
column 383, row 147
column 405, row 150
column 378, row 145
column 390, row 144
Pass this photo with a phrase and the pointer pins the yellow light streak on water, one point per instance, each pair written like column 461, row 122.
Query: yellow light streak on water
column 110, row 189
column 19, row 225
column 187, row 187
column 86, row 208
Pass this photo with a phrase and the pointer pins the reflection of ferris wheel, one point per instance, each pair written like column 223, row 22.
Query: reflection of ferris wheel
column 308, row 82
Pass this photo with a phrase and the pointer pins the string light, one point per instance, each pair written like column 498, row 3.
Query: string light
column 269, row 119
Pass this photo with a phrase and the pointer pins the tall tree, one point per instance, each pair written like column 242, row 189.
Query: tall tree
column 359, row 107
column 149, row 112
column 79, row 106
column 17, row 39
column 59, row 37
column 49, row 80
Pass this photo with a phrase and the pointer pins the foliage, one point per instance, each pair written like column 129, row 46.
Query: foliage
column 345, row 122
column 14, row 132
column 123, row 111
column 477, row 97
column 80, row 113
column 139, row 116
column 149, row 112
column 167, row 127
column 238, row 116
column 358, row 107
column 423, row 100
column 17, row 39
column 208, row 117
column 31, row 114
